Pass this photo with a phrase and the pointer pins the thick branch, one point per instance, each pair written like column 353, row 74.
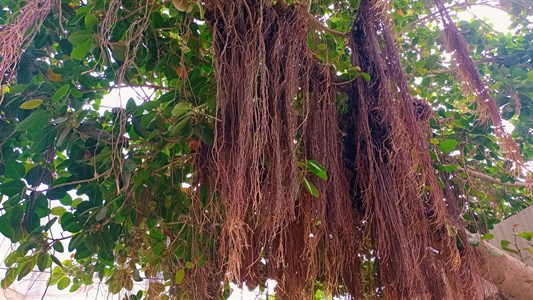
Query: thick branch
column 512, row 276
column 491, row 179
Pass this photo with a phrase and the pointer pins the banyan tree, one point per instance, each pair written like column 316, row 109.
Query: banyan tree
column 318, row 167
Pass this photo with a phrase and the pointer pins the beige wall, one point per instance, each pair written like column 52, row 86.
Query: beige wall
column 504, row 231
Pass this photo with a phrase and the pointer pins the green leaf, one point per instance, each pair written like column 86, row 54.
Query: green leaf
column 11, row 275
column 81, row 50
column 62, row 136
column 58, row 246
column 189, row 265
column 119, row 52
column 31, row 104
column 42, row 261
column 14, row 169
column 12, row 188
column 174, row 131
column 63, row 283
column 50, row 223
column 44, row 138
column 38, row 175
column 321, row 47
column 71, row 224
column 80, row 37
column 5, row 228
column 58, row 210
column 181, row 109
column 487, row 237
column 180, row 275
column 61, row 92
column 311, row 188
column 90, row 22
column 530, row 76
column 25, row 266
column 314, row 167
column 448, row 145
column 446, row 168
column 55, row 259
column 365, row 76
column 33, row 122
column 505, row 246
column 526, row 235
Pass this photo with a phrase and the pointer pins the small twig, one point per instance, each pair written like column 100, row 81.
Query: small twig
column 314, row 22
column 96, row 176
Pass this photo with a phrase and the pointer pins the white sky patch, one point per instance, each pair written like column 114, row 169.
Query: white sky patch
column 508, row 126
column 118, row 97
column 497, row 18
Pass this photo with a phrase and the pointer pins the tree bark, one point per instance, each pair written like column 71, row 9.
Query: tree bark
column 512, row 276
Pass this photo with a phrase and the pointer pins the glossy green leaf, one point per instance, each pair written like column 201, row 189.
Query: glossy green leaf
column 448, row 145
column 61, row 92
column 35, row 121
column 91, row 21
column 505, row 246
column 55, row 259
column 80, row 37
column 58, row 210
column 12, row 188
column 80, row 51
column 14, row 169
column 487, row 237
column 31, row 104
column 25, row 266
column 42, row 261
column 63, row 283
column 9, row 278
column 180, row 275
column 365, row 76
column 315, row 168
column 311, row 188
column 525, row 235
column 181, row 109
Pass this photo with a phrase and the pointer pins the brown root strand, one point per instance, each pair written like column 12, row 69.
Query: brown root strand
column 17, row 36
column 403, row 204
column 473, row 85
column 277, row 108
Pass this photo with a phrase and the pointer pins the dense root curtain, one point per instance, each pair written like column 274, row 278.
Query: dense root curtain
column 394, row 181
column 381, row 208
column 276, row 110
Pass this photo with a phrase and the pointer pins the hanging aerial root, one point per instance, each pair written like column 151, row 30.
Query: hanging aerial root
column 254, row 153
column 473, row 85
column 394, row 181
column 17, row 36
column 276, row 109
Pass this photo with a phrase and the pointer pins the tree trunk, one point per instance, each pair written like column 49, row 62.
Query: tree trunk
column 512, row 276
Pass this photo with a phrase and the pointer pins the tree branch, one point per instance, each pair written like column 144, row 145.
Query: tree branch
column 314, row 22
column 491, row 179
column 506, row 272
